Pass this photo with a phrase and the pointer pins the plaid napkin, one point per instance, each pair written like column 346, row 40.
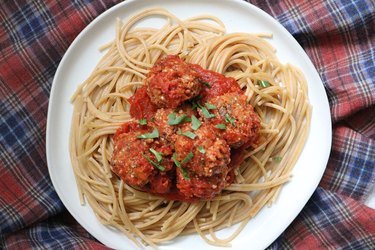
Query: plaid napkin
column 338, row 36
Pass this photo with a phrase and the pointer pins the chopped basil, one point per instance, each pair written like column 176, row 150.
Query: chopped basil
column 142, row 121
column 187, row 158
column 201, row 149
column 179, row 165
column 153, row 134
column 158, row 166
column 187, row 119
column 277, row 158
column 263, row 83
column 189, row 134
column 206, row 113
column 210, row 106
column 230, row 119
column 157, row 154
column 221, row 126
column 195, row 103
column 174, row 120
column 195, row 123
column 206, row 84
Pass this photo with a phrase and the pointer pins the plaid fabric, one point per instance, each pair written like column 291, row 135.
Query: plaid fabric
column 337, row 35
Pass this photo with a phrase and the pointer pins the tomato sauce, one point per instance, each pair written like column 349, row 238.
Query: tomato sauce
column 141, row 105
column 219, row 84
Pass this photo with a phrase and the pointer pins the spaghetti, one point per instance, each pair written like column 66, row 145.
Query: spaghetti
column 277, row 92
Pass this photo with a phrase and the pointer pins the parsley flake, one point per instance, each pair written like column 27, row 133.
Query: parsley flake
column 206, row 113
column 189, row 134
column 206, row 84
column 195, row 123
column 142, row 121
column 158, row 166
column 187, row 158
column 263, row 83
column 157, row 154
column 195, row 102
column 210, row 106
column 221, row 126
column 152, row 135
column 230, row 119
column 277, row 158
column 179, row 165
column 201, row 150
column 173, row 119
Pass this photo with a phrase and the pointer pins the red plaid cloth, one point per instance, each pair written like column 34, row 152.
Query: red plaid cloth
column 339, row 37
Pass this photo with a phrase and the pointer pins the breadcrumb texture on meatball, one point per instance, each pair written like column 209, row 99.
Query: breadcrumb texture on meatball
column 171, row 81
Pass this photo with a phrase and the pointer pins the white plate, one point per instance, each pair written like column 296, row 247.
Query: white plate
column 81, row 58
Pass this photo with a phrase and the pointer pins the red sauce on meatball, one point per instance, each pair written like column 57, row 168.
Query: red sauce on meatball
column 198, row 124
column 242, row 123
column 211, row 154
column 141, row 105
column 171, row 81
column 217, row 84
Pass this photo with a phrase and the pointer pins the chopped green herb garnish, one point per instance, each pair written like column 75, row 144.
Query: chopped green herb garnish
column 187, row 119
column 158, row 166
column 210, row 106
column 178, row 164
column 153, row 134
column 195, row 123
column 142, row 121
column 157, row 154
column 201, row 149
column 206, row 84
column 230, row 119
column 277, row 158
column 263, row 83
column 221, row 126
column 195, row 103
column 174, row 120
column 187, row 158
column 206, row 113
column 189, row 134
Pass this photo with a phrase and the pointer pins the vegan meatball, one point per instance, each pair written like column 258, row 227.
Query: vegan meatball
column 215, row 84
column 171, row 81
column 164, row 120
column 198, row 186
column 234, row 118
column 135, row 157
column 209, row 154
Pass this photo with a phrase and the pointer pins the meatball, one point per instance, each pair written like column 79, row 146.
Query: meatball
column 171, row 81
column 201, row 187
column 141, row 105
column 132, row 159
column 160, row 183
column 167, row 130
column 161, row 120
column 234, row 119
column 218, row 83
column 209, row 154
